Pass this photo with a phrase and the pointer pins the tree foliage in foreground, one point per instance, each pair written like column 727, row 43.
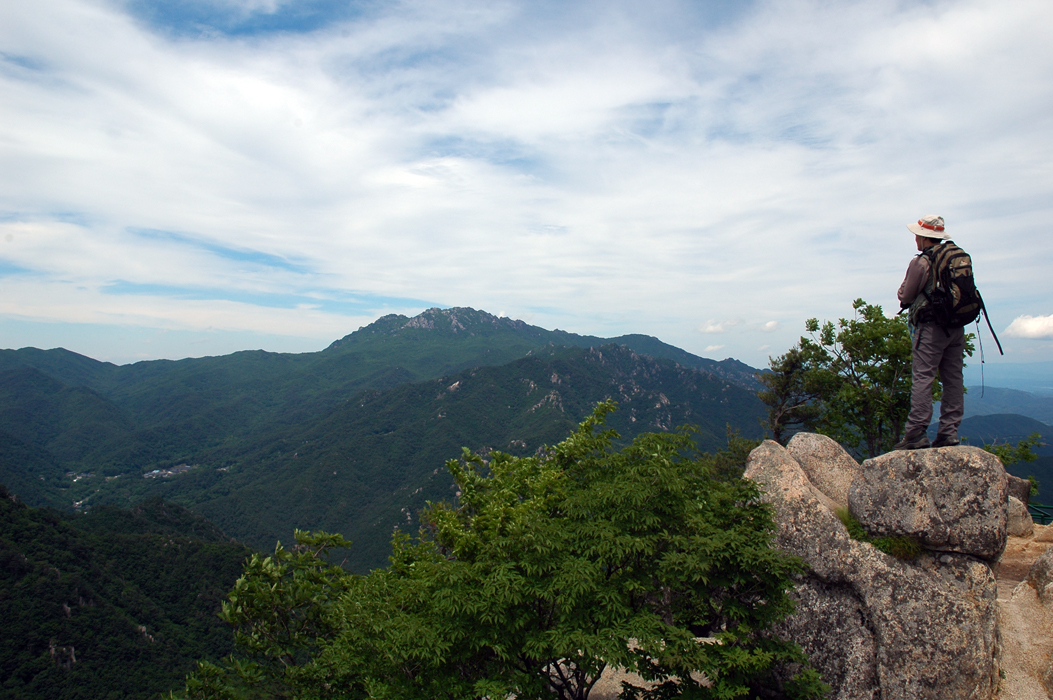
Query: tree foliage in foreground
column 548, row 570
column 851, row 381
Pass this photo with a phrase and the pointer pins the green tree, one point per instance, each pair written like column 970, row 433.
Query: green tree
column 624, row 558
column 281, row 611
column 792, row 391
column 850, row 381
column 1023, row 451
column 865, row 394
column 548, row 570
column 551, row 568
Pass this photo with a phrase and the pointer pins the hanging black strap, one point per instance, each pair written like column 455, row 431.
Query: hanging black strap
column 987, row 318
column 980, row 341
column 983, row 308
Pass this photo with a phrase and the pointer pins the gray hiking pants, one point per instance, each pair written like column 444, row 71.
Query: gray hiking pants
column 937, row 350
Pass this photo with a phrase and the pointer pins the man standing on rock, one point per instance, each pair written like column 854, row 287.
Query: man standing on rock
column 935, row 348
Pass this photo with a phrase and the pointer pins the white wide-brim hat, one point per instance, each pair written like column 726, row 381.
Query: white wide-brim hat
column 929, row 226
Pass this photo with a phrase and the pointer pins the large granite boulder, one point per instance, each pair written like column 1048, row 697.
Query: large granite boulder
column 1019, row 488
column 951, row 499
column 874, row 626
column 829, row 468
column 1041, row 576
column 1020, row 522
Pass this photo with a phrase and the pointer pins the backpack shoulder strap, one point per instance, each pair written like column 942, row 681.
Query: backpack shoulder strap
column 930, row 254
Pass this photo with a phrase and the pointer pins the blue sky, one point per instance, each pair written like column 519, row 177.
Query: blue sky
column 194, row 178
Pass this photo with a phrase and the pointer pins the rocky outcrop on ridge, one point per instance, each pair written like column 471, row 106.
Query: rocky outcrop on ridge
column 1019, row 488
column 949, row 499
column 1040, row 577
column 830, row 469
column 878, row 628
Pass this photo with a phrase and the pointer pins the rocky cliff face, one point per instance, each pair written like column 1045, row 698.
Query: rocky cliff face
column 877, row 627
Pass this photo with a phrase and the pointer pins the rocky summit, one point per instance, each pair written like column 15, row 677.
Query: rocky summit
column 877, row 627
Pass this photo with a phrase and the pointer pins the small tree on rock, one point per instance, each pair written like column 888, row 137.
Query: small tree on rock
column 851, row 381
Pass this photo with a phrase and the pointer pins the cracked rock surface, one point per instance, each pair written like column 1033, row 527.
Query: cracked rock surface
column 875, row 626
column 950, row 498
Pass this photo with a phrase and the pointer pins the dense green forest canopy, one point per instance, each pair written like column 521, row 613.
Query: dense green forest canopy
column 112, row 604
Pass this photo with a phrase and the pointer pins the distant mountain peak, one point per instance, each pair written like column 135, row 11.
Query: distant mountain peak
column 460, row 318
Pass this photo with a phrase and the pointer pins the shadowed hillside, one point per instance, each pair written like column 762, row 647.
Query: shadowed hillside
column 112, row 604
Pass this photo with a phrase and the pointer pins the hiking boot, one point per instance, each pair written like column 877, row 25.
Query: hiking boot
column 942, row 441
column 915, row 441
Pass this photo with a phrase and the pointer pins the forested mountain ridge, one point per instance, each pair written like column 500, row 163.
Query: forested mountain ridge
column 499, row 339
column 364, row 407
column 150, row 413
column 111, row 604
column 372, row 463
column 32, row 472
column 393, row 349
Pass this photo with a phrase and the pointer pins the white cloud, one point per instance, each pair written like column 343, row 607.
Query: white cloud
column 75, row 304
column 714, row 348
column 1031, row 327
column 249, row 6
column 580, row 174
column 717, row 326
